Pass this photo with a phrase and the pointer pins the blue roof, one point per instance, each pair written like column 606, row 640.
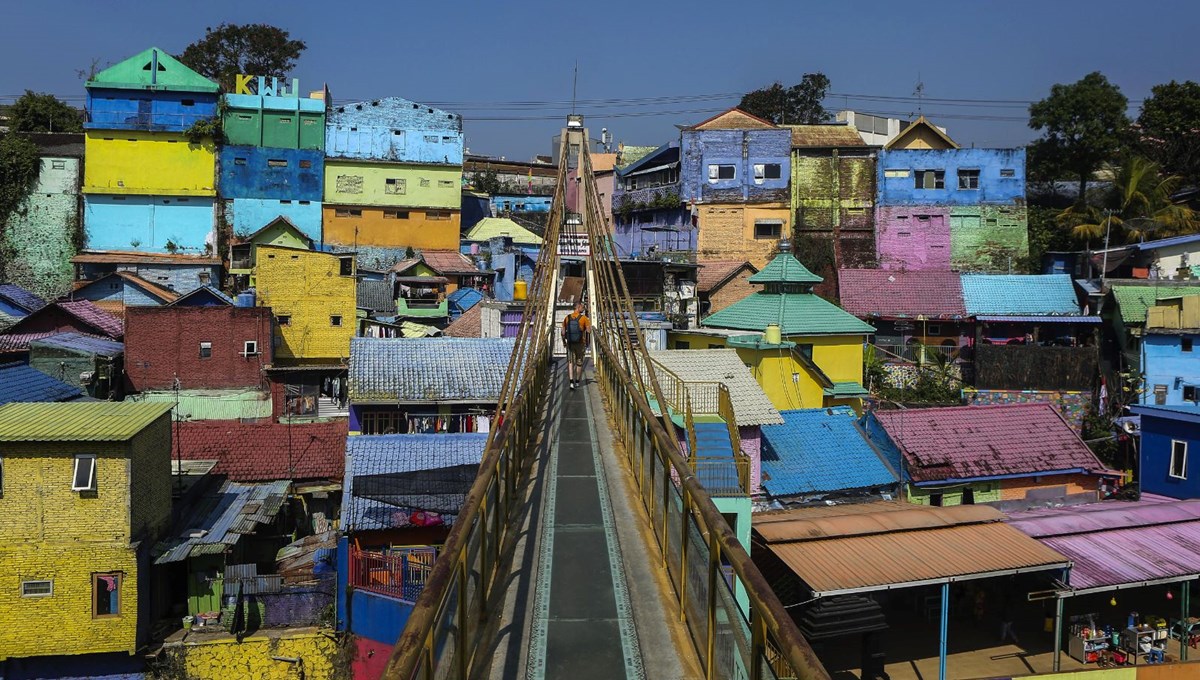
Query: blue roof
column 1166, row 242
column 428, row 370
column 82, row 342
column 464, row 299
column 1188, row 412
column 21, row 382
column 20, row 297
column 1019, row 294
column 455, row 456
column 204, row 296
column 819, row 450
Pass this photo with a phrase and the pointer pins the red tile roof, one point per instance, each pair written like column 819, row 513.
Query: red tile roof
column 712, row 273
column 449, row 262
column 892, row 294
column 966, row 442
column 259, row 452
column 19, row 342
column 468, row 325
column 87, row 312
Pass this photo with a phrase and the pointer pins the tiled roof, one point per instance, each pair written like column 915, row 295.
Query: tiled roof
column 467, row 325
column 820, row 450
column 455, row 456
column 825, row 136
column 391, row 370
column 376, row 296
column 21, row 382
column 91, row 344
column 449, row 262
column 95, row 317
column 138, row 257
column 796, row 314
column 7, row 321
column 491, row 227
column 1019, row 294
column 750, row 404
column 785, row 268
column 19, row 342
column 93, row 421
column 203, row 291
column 733, row 119
column 1134, row 300
column 713, row 273
column 889, row 294
column 20, row 297
column 966, row 442
column 253, row 452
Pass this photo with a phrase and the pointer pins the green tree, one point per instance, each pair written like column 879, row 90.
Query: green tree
column 18, row 171
column 799, row 104
column 230, row 49
column 1083, row 125
column 1139, row 195
column 39, row 112
column 1168, row 129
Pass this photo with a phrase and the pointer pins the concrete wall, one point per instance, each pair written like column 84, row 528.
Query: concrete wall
column 162, row 343
column 1165, row 363
column 41, row 234
column 743, row 149
column 1155, row 457
column 310, row 289
column 359, row 183
column 988, row 237
column 355, row 225
column 248, row 215
column 256, row 656
column 1072, row 405
column 128, row 162
column 913, row 237
column 271, row 173
column 394, row 129
column 736, row 288
column 116, row 222
column 160, row 110
column 898, row 188
column 726, row 231
column 280, row 122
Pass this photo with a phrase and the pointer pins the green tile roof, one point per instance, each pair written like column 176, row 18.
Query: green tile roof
column 846, row 390
column 491, row 227
column 93, row 421
column 796, row 314
column 1133, row 301
column 785, row 268
column 134, row 74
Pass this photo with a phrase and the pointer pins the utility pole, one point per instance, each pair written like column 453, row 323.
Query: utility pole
column 1107, row 232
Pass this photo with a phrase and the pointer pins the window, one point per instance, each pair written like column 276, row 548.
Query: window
column 763, row 171
column 1186, row 344
column 301, row 400
column 285, row 121
column 239, row 161
column 720, row 172
column 188, row 102
column 85, row 473
column 933, row 329
column 1178, row 459
column 1191, row 393
column 393, row 185
column 768, row 229
column 682, row 344
column 205, row 350
column 395, row 214
column 349, row 184
column 968, row 179
column 284, row 319
column 805, row 350
column 1008, row 172
column 58, row 165
column 896, row 172
column 335, row 320
column 1160, row 395
column 37, row 588
column 382, row 422
column 348, row 212
column 306, row 163
column 205, row 278
column 930, row 179
column 424, row 182
column 243, row 116
column 968, row 496
column 447, row 139
column 445, row 184
column 431, row 139
column 277, row 163
column 250, row 348
column 346, row 267
column 935, row 499
column 437, row 214
column 106, row 595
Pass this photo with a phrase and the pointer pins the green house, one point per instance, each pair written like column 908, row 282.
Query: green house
column 277, row 122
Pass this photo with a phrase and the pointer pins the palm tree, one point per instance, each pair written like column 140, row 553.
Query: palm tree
column 1139, row 195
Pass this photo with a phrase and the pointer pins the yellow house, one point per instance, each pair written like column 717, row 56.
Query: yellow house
column 312, row 296
column 148, row 163
column 815, row 361
column 85, row 488
column 392, row 204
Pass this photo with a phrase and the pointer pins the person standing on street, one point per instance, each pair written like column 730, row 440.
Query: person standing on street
column 575, row 331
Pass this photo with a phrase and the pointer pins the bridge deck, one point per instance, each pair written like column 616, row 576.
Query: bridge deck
column 589, row 598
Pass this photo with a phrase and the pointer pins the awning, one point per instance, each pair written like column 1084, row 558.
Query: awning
column 883, row 546
column 1038, row 319
column 425, row 279
column 656, row 168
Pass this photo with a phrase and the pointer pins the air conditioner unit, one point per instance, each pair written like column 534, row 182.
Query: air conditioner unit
column 87, row 377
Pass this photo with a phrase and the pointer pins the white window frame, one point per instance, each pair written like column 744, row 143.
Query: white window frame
column 91, row 477
column 205, row 346
column 37, row 580
column 1171, row 466
column 250, row 348
column 714, row 172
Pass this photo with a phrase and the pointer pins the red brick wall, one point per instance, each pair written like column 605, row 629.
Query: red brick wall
column 732, row 291
column 164, row 342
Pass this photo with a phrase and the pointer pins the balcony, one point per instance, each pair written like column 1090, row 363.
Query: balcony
column 421, row 308
column 918, row 353
column 401, row 574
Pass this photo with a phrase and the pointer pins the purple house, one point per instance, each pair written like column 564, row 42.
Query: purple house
column 648, row 215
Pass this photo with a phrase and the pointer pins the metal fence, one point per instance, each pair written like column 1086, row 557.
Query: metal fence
column 401, row 574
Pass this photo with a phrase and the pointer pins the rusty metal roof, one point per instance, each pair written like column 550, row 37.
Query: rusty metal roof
column 900, row 546
column 825, row 136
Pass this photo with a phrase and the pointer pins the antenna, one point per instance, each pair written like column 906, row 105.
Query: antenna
column 919, row 93
column 574, row 87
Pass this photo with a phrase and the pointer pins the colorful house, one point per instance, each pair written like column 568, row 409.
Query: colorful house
column 93, row 364
column 1169, row 366
column 940, row 206
column 118, row 290
column 502, row 227
column 1126, row 308
column 149, row 183
column 275, row 118
column 735, row 172
column 833, row 199
column 197, row 347
column 818, row 359
column 916, row 314
column 986, row 454
column 393, row 175
column 423, row 284
column 79, row 580
column 280, row 231
column 648, row 213
column 179, row 273
column 312, row 296
column 80, row 316
column 1168, row 434
column 822, row 455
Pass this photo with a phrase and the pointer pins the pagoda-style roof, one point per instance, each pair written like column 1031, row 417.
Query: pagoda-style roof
column 785, row 268
column 152, row 69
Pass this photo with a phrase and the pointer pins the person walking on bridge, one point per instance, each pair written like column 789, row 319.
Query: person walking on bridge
column 575, row 331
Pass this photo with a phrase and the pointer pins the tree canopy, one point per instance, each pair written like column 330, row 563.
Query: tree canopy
column 255, row 49
column 1168, row 129
column 38, row 112
column 1137, row 203
column 1083, row 125
column 799, row 104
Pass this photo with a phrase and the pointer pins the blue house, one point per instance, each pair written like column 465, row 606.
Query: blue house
column 648, row 212
column 121, row 289
column 23, row 383
column 271, row 173
column 394, row 129
column 1170, row 361
column 248, row 215
column 821, row 455
column 1169, row 434
column 150, row 91
column 130, row 221
column 735, row 157
column 178, row 273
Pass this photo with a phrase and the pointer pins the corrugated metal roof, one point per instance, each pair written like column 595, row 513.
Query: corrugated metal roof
column 89, row 344
column 1022, row 294
column 1039, row 319
column 223, row 517
column 390, row 370
column 901, row 547
column 213, row 404
column 750, row 404
column 880, row 292
column 1134, row 300
column 820, row 450
column 77, row 421
column 491, row 227
column 20, row 297
column 23, row 383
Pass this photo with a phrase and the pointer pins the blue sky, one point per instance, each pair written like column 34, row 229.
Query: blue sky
column 479, row 57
